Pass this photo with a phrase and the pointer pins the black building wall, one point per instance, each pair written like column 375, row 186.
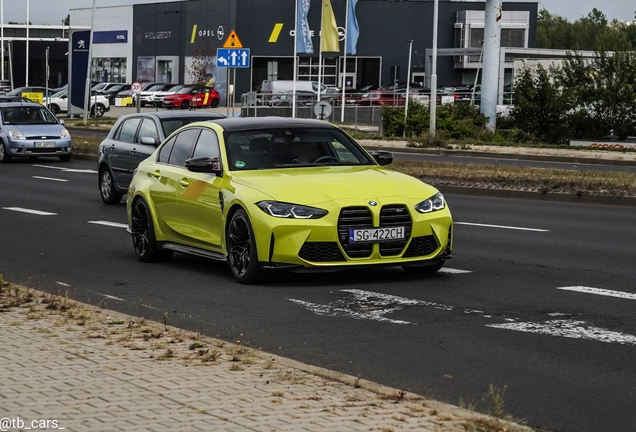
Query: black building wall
column 158, row 30
column 58, row 63
column 384, row 28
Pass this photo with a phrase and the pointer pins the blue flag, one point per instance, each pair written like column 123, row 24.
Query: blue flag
column 353, row 31
column 303, row 36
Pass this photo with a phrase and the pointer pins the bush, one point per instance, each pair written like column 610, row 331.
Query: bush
column 454, row 121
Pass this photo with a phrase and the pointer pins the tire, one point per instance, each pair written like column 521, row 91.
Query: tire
column 98, row 110
column 241, row 248
column 424, row 269
column 143, row 235
column 65, row 158
column 215, row 103
column 55, row 109
column 185, row 105
column 107, row 187
column 4, row 154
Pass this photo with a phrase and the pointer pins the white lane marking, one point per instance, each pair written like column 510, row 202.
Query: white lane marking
column 49, row 178
column 502, row 226
column 113, row 224
column 372, row 306
column 112, row 297
column 570, row 329
column 30, row 211
column 600, row 291
column 88, row 171
column 453, row 270
column 62, row 283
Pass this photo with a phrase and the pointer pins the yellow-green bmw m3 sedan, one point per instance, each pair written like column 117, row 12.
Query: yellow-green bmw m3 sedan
column 281, row 193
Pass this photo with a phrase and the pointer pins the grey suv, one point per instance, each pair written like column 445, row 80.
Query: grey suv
column 132, row 139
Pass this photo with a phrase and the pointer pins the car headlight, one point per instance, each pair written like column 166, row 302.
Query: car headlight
column 16, row 135
column 64, row 134
column 436, row 202
column 294, row 211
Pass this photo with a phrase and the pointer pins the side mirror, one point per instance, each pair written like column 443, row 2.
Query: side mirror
column 382, row 157
column 61, row 121
column 149, row 141
column 205, row 165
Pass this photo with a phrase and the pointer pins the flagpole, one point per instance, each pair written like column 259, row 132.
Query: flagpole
column 295, row 60
column 344, row 67
column 322, row 17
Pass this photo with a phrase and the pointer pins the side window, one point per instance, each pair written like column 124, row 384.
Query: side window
column 183, row 146
column 164, row 153
column 128, row 130
column 207, row 145
column 148, row 129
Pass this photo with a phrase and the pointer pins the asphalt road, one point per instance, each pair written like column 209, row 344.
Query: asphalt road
column 538, row 299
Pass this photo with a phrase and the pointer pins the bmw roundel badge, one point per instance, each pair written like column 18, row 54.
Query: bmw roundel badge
column 373, row 203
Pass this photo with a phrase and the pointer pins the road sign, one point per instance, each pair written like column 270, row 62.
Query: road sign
column 323, row 110
column 232, row 41
column 135, row 87
column 233, row 57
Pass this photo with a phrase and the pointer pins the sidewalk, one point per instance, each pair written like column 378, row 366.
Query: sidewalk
column 68, row 365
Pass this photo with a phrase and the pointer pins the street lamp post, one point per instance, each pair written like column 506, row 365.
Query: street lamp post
column 434, row 72
column 87, row 89
column 408, row 84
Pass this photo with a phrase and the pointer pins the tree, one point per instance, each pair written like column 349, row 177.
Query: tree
column 201, row 70
column 540, row 109
column 601, row 93
column 67, row 21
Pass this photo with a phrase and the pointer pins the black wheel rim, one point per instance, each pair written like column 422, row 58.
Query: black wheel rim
column 140, row 228
column 106, row 185
column 239, row 246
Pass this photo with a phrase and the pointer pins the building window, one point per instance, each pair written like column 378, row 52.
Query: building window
column 515, row 38
column 109, row 69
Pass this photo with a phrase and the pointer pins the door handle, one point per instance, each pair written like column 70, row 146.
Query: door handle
column 156, row 174
column 184, row 182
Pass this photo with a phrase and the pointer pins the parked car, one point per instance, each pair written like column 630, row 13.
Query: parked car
column 99, row 104
column 21, row 91
column 147, row 97
column 28, row 129
column 127, row 97
column 112, row 92
column 162, row 94
column 7, row 98
column 132, row 139
column 192, row 96
column 281, row 193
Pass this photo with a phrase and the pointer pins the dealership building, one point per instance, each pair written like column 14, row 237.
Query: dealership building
column 160, row 41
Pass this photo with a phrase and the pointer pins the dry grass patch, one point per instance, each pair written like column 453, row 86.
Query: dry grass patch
column 520, row 178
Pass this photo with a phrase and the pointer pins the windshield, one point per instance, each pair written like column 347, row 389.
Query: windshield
column 292, row 148
column 157, row 87
column 185, row 90
column 59, row 94
column 22, row 115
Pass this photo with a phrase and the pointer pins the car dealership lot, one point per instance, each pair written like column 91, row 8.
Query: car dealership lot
column 538, row 298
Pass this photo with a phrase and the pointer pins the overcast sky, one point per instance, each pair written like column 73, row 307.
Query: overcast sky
column 54, row 11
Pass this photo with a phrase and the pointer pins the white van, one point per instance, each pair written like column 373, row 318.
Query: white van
column 279, row 92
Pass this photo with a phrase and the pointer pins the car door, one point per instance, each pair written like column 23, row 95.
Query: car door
column 119, row 151
column 201, row 205
column 187, row 203
column 147, row 129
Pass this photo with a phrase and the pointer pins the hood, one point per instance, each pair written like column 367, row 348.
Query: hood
column 316, row 185
column 39, row 130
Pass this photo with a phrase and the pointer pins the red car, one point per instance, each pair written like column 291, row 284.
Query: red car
column 192, row 97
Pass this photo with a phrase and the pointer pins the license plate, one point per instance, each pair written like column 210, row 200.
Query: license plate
column 45, row 144
column 376, row 234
